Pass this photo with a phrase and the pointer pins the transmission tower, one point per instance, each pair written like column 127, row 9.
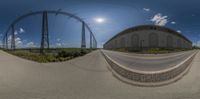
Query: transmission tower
column 13, row 37
column 83, row 43
column 45, row 33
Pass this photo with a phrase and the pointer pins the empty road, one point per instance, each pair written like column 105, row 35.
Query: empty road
column 149, row 63
column 85, row 77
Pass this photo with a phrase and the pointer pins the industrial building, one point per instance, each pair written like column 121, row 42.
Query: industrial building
column 147, row 37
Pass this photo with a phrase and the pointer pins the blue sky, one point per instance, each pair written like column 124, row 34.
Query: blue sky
column 180, row 15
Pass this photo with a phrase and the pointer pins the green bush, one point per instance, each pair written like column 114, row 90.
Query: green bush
column 52, row 56
column 83, row 52
column 72, row 53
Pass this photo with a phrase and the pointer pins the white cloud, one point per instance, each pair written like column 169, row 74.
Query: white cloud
column 173, row 22
column 64, row 44
column 9, row 38
column 24, row 40
column 58, row 44
column 30, row 44
column 179, row 31
column 21, row 30
column 160, row 20
column 146, row 9
column 58, row 39
column 18, row 41
column 197, row 43
column 101, row 44
column 15, row 32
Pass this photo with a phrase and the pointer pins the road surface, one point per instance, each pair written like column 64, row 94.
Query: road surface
column 150, row 63
column 85, row 77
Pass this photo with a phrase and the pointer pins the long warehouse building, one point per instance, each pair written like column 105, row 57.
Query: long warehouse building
column 147, row 37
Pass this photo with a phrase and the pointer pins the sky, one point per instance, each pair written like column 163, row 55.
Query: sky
column 105, row 17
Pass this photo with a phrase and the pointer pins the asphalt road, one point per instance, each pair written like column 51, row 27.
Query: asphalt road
column 150, row 63
column 85, row 77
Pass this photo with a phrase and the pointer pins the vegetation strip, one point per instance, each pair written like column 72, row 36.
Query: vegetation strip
column 51, row 55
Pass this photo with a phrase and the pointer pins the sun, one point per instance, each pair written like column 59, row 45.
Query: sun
column 100, row 20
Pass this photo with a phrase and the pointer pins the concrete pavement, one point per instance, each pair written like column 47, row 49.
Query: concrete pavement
column 85, row 77
column 154, row 63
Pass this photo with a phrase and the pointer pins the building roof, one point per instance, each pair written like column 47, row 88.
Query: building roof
column 149, row 27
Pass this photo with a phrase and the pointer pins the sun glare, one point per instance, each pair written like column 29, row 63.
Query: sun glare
column 100, row 20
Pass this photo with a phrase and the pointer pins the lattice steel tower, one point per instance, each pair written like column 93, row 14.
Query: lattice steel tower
column 83, row 42
column 45, row 32
column 13, row 37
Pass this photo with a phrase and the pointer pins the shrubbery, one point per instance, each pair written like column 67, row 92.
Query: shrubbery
column 72, row 53
column 61, row 54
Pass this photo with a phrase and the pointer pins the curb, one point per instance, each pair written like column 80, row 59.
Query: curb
column 149, row 78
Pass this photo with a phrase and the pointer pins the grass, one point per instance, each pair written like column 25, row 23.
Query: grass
column 52, row 55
